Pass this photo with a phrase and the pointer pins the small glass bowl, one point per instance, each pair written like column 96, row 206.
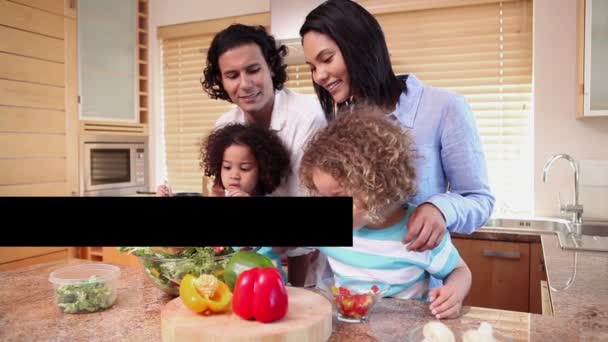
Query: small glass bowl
column 85, row 288
column 355, row 297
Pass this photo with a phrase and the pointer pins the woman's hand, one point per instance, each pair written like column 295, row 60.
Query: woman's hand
column 446, row 301
column 428, row 226
column 164, row 191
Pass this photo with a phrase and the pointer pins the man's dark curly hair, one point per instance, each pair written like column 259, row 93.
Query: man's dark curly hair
column 234, row 36
column 271, row 155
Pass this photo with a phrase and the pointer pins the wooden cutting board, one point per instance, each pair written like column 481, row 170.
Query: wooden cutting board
column 308, row 318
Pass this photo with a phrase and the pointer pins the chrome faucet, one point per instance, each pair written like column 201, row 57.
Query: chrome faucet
column 576, row 209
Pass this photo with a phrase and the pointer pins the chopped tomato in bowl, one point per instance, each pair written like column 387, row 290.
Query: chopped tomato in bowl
column 355, row 297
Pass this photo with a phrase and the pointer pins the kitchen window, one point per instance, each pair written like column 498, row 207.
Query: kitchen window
column 189, row 114
column 483, row 51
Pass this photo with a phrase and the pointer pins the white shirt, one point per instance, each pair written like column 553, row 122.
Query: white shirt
column 295, row 118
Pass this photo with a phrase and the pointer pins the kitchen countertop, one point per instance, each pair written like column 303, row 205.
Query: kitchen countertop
column 585, row 301
column 28, row 312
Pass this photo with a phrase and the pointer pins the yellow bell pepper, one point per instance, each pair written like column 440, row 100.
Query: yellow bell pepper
column 204, row 294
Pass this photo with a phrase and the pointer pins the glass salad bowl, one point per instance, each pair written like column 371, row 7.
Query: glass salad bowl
column 354, row 297
column 166, row 267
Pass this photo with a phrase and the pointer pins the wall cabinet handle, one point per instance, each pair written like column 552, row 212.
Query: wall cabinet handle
column 72, row 3
column 501, row 254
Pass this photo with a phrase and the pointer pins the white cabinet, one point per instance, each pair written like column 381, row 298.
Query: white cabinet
column 108, row 60
column 592, row 89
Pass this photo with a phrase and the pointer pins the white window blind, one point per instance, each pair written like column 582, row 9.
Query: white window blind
column 299, row 79
column 483, row 52
column 189, row 112
column 479, row 48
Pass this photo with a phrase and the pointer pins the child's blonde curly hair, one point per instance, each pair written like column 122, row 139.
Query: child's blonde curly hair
column 368, row 155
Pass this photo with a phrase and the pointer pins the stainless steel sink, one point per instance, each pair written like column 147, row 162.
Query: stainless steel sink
column 593, row 237
column 595, row 229
column 539, row 225
column 593, row 234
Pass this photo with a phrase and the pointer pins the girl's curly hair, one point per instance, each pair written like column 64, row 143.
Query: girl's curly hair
column 271, row 155
column 368, row 155
column 237, row 35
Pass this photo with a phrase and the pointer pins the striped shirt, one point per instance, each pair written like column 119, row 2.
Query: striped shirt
column 381, row 254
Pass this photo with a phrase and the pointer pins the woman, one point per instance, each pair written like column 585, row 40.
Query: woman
column 347, row 53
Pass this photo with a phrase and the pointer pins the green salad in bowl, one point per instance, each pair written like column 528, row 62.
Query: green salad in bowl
column 166, row 266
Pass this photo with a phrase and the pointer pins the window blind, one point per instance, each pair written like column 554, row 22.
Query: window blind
column 189, row 113
column 299, row 79
column 481, row 49
column 484, row 52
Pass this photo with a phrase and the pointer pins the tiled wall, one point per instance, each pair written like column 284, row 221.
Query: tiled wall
column 593, row 183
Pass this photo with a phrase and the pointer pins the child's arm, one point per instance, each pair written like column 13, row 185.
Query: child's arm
column 446, row 301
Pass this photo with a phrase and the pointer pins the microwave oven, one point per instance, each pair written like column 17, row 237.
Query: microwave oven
column 113, row 165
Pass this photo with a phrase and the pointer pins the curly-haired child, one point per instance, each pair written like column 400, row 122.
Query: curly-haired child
column 249, row 160
column 365, row 156
column 245, row 160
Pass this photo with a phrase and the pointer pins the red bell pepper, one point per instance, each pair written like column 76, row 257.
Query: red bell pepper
column 260, row 294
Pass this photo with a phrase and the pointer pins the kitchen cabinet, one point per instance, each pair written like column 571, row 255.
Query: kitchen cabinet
column 113, row 46
column 109, row 255
column 538, row 276
column 38, row 98
column 592, row 54
column 107, row 32
column 506, row 274
column 15, row 257
column 39, row 92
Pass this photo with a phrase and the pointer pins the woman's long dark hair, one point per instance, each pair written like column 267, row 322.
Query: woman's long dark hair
column 361, row 41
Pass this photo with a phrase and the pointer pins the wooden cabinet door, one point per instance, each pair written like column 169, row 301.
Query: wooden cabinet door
column 501, row 273
column 111, row 255
column 38, row 99
column 15, row 257
column 537, row 276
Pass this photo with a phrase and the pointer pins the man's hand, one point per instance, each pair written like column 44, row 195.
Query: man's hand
column 445, row 302
column 164, row 191
column 427, row 226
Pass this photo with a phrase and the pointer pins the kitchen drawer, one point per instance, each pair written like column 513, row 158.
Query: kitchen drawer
column 501, row 273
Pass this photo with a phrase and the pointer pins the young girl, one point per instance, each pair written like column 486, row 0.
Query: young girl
column 371, row 159
column 245, row 160
column 249, row 160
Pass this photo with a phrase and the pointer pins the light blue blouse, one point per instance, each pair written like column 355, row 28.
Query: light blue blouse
column 449, row 153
